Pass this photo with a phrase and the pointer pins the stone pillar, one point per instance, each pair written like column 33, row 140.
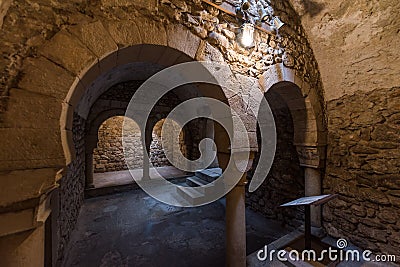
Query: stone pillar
column 146, row 165
column 209, row 130
column 146, row 154
column 313, row 188
column 236, row 225
column 312, row 158
column 236, row 210
column 89, row 169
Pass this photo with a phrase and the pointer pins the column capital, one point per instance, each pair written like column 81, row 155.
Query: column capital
column 311, row 156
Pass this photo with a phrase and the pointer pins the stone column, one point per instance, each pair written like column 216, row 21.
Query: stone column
column 209, row 130
column 89, row 169
column 236, row 225
column 313, row 188
column 235, row 209
column 146, row 165
column 146, row 155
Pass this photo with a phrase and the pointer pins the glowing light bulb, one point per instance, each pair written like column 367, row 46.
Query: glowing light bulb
column 247, row 34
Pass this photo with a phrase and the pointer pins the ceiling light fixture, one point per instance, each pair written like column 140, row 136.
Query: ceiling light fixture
column 247, row 35
column 277, row 23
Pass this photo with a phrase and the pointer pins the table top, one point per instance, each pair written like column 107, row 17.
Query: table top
column 312, row 200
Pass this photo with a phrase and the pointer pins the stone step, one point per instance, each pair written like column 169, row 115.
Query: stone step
column 202, row 183
column 209, row 175
column 203, row 186
column 195, row 181
column 190, row 194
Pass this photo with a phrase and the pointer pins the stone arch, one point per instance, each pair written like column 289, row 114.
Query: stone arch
column 310, row 134
column 92, row 140
column 79, row 56
column 71, row 59
column 157, row 57
column 157, row 135
column 94, row 126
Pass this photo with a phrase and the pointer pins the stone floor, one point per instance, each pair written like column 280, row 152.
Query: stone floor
column 133, row 229
column 116, row 178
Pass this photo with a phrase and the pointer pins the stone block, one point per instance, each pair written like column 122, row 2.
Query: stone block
column 36, row 148
column 44, row 77
column 14, row 222
column 360, row 149
column 67, row 51
column 95, row 37
column 125, row 33
column 169, row 57
column 108, row 62
column 75, row 92
column 247, row 82
column 4, row 6
column 151, row 53
column 207, row 52
column 224, row 77
column 128, row 54
column 89, row 75
column 20, row 185
column 181, row 39
column 271, row 77
column 67, row 116
column 358, row 210
column 374, row 196
column 289, row 75
column 380, row 235
column 385, row 132
column 388, row 215
column 29, row 110
column 151, row 32
column 306, row 138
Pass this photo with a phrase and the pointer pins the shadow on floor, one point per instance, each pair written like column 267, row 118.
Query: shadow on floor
column 133, row 229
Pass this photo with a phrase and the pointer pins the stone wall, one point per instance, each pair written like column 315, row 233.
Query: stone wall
column 218, row 30
column 363, row 168
column 157, row 150
column 289, row 47
column 354, row 42
column 109, row 154
column 72, row 185
column 285, row 182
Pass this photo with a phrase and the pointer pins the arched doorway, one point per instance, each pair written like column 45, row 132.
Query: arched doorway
column 285, row 181
column 160, row 143
column 110, row 94
column 109, row 159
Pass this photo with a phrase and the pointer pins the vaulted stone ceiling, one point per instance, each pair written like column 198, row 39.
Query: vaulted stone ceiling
column 356, row 43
